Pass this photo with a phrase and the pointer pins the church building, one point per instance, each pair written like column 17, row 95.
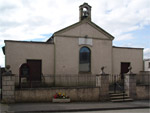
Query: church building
column 81, row 48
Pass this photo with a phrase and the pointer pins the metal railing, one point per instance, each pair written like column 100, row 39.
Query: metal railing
column 143, row 79
column 60, row 81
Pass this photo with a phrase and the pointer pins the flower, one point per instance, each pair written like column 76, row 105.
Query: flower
column 60, row 96
column 55, row 96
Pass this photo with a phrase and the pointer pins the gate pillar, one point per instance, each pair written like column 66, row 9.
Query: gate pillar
column 130, row 85
column 102, row 81
column 8, row 88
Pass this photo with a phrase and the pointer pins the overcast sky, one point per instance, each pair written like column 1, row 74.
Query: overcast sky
column 127, row 20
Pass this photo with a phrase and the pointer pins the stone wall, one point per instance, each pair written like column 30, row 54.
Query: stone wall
column 97, row 92
column 8, row 88
column 80, row 94
column 45, row 95
column 136, row 90
column 143, row 92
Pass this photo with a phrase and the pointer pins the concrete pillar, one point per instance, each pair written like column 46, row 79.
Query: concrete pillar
column 130, row 85
column 102, row 81
column 8, row 88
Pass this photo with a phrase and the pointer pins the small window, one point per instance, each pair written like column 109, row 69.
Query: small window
column 149, row 65
column 85, row 59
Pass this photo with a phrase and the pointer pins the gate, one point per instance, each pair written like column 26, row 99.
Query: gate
column 117, row 84
column 117, row 89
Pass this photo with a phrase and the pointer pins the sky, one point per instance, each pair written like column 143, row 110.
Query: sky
column 36, row 20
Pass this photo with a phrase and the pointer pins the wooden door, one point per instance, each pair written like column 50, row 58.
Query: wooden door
column 124, row 67
column 35, row 69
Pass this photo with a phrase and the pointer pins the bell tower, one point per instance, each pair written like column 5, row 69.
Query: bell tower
column 85, row 12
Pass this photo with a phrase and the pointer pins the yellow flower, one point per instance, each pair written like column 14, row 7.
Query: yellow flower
column 59, row 94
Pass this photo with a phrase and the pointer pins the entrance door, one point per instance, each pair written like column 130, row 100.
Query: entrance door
column 35, row 69
column 124, row 67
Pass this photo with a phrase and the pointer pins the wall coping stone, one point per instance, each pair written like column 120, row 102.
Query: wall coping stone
column 8, row 74
column 102, row 75
column 81, row 87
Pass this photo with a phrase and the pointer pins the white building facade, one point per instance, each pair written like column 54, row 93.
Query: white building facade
column 147, row 65
column 80, row 48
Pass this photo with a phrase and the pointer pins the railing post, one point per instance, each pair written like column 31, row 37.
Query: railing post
column 123, row 82
column 115, row 85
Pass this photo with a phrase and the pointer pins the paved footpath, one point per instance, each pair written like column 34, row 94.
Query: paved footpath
column 73, row 106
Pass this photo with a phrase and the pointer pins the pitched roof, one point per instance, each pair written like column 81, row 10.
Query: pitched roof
column 79, row 23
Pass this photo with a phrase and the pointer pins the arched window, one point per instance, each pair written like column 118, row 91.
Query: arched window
column 85, row 12
column 85, row 60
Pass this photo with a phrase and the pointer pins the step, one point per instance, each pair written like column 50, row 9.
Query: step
column 118, row 94
column 119, row 97
column 122, row 100
column 112, row 92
